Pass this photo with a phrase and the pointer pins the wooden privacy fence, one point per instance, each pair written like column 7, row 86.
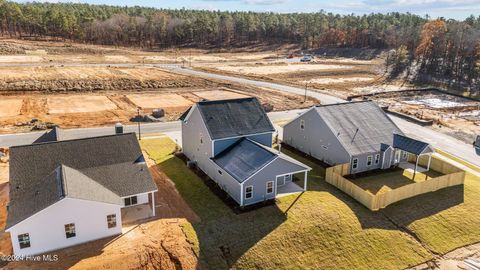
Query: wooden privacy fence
column 453, row 176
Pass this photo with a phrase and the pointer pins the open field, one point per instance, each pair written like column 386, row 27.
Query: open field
column 267, row 69
column 79, row 104
column 323, row 228
column 10, row 107
column 148, row 101
column 219, row 95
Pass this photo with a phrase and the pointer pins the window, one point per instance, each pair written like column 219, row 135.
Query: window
column 112, row 221
column 404, row 154
column 130, row 200
column 302, row 124
column 369, row 160
column 220, row 172
column 248, row 192
column 24, row 240
column 269, row 187
column 377, row 158
column 355, row 163
column 70, row 230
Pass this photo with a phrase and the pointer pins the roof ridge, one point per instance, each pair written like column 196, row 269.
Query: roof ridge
column 343, row 103
column 224, row 100
column 71, row 140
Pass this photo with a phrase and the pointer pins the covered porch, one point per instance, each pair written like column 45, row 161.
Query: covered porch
column 415, row 150
column 289, row 184
column 138, row 207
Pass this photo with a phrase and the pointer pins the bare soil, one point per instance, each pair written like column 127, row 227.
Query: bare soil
column 157, row 243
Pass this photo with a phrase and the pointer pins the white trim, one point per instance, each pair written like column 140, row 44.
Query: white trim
column 298, row 116
column 273, row 187
column 241, row 194
column 241, row 136
column 292, row 173
column 153, row 204
column 189, row 113
column 260, row 169
column 250, row 192
column 353, row 163
column 138, row 194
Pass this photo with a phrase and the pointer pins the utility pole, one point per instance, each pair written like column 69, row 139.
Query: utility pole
column 138, row 118
column 305, row 97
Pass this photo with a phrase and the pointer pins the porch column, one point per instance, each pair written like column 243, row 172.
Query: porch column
column 429, row 159
column 153, row 204
column 416, row 165
column 305, row 181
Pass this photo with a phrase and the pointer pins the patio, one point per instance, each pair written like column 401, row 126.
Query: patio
column 288, row 189
column 135, row 213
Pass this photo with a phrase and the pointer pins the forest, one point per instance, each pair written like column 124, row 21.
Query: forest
column 441, row 49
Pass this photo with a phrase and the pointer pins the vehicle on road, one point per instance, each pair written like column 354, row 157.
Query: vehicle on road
column 306, row 58
column 476, row 143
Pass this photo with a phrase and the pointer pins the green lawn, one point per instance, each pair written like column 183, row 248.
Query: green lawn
column 380, row 182
column 323, row 229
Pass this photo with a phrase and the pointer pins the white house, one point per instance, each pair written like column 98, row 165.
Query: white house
column 64, row 193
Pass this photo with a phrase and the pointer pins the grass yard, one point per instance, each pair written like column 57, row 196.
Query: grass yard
column 385, row 181
column 324, row 228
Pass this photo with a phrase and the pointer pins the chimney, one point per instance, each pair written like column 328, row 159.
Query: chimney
column 118, row 128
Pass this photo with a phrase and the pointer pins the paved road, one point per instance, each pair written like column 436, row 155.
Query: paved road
column 437, row 139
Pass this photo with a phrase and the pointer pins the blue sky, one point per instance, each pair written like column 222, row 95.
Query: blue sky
column 457, row 9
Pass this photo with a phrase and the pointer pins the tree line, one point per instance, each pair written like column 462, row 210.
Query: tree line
column 440, row 47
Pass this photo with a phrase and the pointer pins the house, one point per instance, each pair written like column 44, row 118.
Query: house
column 358, row 133
column 64, row 193
column 231, row 140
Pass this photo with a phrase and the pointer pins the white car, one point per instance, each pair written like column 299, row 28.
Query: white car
column 306, row 58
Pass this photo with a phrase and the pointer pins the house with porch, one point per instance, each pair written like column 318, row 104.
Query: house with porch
column 231, row 142
column 67, row 192
column 358, row 133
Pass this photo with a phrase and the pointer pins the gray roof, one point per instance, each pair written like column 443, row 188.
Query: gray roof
column 361, row 127
column 410, row 145
column 52, row 135
column 234, row 117
column 243, row 158
column 99, row 169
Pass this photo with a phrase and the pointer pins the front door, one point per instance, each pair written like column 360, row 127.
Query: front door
column 397, row 156
column 280, row 180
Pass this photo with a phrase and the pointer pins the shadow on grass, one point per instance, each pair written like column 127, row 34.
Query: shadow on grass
column 223, row 234
column 401, row 213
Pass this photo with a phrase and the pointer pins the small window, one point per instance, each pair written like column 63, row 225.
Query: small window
column 355, row 163
column 302, row 124
column 377, row 158
column 248, row 192
column 404, row 154
column 369, row 160
column 112, row 221
column 70, row 230
column 269, row 187
column 24, row 240
column 130, row 200
column 220, row 172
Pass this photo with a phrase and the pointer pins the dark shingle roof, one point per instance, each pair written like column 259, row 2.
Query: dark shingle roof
column 234, row 117
column 361, row 127
column 410, row 145
column 53, row 135
column 243, row 159
column 99, row 169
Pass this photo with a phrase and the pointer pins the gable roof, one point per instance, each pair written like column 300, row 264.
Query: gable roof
column 100, row 169
column 52, row 135
column 361, row 127
column 410, row 145
column 243, row 158
column 234, row 117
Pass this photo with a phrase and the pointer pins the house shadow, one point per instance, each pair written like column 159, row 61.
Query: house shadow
column 224, row 232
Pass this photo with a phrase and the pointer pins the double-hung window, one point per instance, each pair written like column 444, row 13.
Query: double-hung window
column 130, row 200
column 24, row 240
column 112, row 221
column 248, row 192
column 70, row 230
column 369, row 160
column 269, row 187
column 355, row 163
column 302, row 124
column 377, row 159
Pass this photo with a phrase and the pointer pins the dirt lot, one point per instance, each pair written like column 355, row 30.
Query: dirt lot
column 457, row 116
column 89, row 110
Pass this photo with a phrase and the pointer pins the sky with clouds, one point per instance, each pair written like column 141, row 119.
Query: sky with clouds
column 456, row 9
